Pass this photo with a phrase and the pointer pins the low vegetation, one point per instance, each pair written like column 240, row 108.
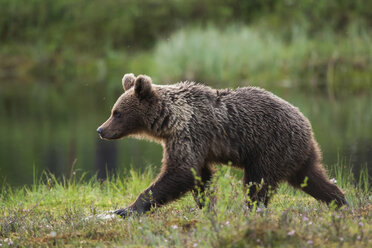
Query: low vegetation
column 239, row 56
column 64, row 213
column 69, row 45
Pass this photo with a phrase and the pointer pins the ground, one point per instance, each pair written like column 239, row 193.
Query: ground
column 54, row 213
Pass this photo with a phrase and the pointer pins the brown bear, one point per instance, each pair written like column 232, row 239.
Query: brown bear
column 198, row 127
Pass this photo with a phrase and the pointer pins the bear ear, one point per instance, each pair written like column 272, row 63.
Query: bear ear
column 142, row 86
column 128, row 81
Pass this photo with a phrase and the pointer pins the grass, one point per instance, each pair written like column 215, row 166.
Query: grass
column 330, row 63
column 54, row 213
column 241, row 55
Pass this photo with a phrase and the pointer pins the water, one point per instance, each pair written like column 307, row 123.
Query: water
column 48, row 129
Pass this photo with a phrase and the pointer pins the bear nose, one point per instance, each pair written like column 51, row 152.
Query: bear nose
column 99, row 130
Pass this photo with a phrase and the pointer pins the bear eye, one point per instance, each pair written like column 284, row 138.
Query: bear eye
column 116, row 114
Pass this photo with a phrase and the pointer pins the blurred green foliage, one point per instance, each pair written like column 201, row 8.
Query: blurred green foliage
column 238, row 56
column 70, row 45
column 96, row 24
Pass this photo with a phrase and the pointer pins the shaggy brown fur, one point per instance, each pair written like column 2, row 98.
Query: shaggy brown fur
column 198, row 126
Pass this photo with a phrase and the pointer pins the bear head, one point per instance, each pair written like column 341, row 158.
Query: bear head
column 128, row 116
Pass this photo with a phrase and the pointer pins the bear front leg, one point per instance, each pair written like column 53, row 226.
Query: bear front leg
column 259, row 187
column 170, row 185
column 201, row 185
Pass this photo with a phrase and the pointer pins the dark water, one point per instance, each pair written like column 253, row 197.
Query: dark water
column 49, row 130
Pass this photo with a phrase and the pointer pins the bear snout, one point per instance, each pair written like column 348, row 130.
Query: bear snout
column 100, row 132
column 106, row 133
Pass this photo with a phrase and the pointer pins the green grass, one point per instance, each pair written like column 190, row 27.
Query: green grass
column 54, row 213
column 331, row 63
column 241, row 55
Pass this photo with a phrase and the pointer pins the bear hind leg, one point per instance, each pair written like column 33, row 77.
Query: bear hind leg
column 313, row 180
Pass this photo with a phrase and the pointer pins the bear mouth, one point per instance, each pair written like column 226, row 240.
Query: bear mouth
column 115, row 136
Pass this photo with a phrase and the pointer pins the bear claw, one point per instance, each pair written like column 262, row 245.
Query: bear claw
column 121, row 212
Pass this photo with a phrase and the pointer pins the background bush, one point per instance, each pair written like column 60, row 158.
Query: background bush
column 239, row 56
